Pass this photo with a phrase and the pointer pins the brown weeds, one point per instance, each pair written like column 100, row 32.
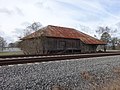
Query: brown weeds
column 116, row 70
column 86, row 75
column 112, row 85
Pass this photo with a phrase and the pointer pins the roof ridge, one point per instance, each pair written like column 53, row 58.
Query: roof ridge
column 61, row 27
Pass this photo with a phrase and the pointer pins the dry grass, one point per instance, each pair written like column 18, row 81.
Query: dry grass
column 56, row 87
column 115, row 85
column 116, row 70
column 10, row 53
column 112, row 85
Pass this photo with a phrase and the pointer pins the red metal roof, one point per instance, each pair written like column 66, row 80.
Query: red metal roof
column 63, row 32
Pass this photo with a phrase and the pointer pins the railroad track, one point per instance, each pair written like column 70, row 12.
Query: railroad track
column 31, row 59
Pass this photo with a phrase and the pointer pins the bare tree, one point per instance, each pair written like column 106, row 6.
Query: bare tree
column 2, row 43
column 102, row 30
column 36, row 43
column 105, row 36
column 106, row 29
column 32, row 28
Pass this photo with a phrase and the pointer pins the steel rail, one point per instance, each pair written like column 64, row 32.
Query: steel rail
column 11, row 61
column 32, row 55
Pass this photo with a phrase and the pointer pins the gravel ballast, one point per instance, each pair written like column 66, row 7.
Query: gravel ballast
column 77, row 74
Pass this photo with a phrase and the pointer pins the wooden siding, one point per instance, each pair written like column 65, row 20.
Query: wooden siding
column 86, row 48
column 62, row 44
column 55, row 45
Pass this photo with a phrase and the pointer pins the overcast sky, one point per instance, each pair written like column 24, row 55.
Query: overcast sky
column 15, row 15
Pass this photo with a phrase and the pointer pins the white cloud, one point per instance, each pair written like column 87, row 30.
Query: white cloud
column 90, row 13
column 5, row 11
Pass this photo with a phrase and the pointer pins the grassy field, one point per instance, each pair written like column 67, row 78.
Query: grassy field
column 10, row 53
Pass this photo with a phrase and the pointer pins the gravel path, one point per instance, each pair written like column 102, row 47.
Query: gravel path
column 77, row 74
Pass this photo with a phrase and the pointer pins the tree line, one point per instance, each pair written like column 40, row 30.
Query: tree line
column 105, row 34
